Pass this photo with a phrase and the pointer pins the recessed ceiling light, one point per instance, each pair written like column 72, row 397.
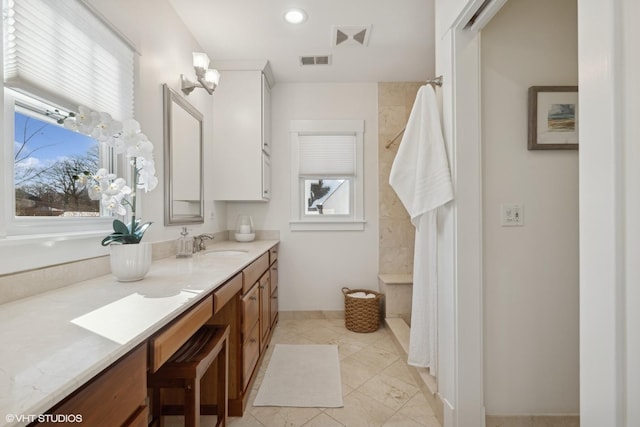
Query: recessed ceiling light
column 295, row 16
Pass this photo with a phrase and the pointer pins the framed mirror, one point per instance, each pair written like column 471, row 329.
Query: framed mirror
column 183, row 177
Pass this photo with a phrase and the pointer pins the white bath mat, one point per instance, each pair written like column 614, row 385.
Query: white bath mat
column 306, row 376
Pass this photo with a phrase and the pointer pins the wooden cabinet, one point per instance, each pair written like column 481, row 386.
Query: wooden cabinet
column 116, row 397
column 245, row 303
column 273, row 309
column 242, row 134
column 265, row 308
column 256, row 325
column 250, row 309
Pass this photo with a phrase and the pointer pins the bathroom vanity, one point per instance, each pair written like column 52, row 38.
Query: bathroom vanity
column 88, row 350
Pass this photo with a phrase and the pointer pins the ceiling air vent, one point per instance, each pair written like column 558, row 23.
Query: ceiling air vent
column 315, row 60
column 357, row 35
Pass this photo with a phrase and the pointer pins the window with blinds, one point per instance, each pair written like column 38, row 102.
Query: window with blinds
column 59, row 51
column 58, row 55
column 327, row 174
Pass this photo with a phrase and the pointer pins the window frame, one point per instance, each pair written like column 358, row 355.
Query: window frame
column 25, row 226
column 299, row 220
column 32, row 243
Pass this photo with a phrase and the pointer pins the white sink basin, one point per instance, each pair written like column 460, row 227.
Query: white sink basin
column 227, row 252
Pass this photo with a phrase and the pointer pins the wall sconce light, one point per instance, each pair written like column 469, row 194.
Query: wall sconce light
column 208, row 78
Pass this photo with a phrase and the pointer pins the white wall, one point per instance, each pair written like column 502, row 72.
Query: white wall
column 531, row 278
column 165, row 45
column 315, row 265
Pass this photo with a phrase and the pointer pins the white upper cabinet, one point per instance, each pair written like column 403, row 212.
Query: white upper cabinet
column 241, row 136
column 266, row 116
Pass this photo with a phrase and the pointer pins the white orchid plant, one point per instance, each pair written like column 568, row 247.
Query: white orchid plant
column 112, row 191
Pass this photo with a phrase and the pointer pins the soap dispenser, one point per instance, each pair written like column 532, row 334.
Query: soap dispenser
column 185, row 245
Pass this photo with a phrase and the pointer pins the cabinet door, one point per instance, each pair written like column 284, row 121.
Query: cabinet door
column 265, row 309
column 266, row 177
column 237, row 135
column 250, row 310
column 273, row 272
column 266, row 116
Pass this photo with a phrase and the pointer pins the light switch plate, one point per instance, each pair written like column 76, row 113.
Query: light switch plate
column 512, row 215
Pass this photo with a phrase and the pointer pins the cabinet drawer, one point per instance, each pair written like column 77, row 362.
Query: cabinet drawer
column 250, row 310
column 250, row 353
column 171, row 339
column 224, row 293
column 253, row 271
column 140, row 418
column 113, row 396
column 273, row 254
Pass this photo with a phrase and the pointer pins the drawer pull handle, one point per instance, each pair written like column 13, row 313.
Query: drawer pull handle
column 253, row 298
column 260, row 287
column 274, row 297
column 252, row 340
column 274, row 268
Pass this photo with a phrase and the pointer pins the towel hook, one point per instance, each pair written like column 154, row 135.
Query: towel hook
column 435, row 81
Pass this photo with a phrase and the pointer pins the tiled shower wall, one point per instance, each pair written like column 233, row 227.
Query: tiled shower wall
column 395, row 101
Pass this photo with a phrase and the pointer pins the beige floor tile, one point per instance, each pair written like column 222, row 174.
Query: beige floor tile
column 271, row 416
column 247, row 420
column 376, row 357
column 377, row 386
column 323, row 420
column 400, row 370
column 354, row 373
column 323, row 335
column 391, row 392
column 360, row 411
column 346, row 349
column 399, row 420
column 387, row 344
column 418, row 409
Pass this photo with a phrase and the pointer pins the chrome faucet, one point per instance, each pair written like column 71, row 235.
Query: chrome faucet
column 198, row 242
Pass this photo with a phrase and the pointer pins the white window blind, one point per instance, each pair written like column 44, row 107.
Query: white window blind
column 327, row 155
column 61, row 51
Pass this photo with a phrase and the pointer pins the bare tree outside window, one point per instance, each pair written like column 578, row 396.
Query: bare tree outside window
column 46, row 158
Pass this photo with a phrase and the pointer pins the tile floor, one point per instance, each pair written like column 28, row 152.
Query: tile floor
column 377, row 387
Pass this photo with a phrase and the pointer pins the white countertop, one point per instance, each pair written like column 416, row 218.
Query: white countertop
column 54, row 342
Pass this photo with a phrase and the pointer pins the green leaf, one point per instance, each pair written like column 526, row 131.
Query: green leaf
column 122, row 234
column 120, row 227
column 140, row 229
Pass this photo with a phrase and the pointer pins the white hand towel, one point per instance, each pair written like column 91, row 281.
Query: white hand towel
column 421, row 178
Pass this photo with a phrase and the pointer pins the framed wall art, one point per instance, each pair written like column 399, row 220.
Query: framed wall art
column 553, row 118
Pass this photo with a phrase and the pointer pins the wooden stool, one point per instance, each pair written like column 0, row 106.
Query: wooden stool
column 185, row 369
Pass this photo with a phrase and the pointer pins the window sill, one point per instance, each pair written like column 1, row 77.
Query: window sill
column 28, row 252
column 355, row 225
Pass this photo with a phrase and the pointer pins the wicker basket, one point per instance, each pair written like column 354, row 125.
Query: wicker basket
column 361, row 314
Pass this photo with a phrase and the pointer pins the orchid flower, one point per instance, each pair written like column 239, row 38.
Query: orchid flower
column 114, row 203
column 114, row 193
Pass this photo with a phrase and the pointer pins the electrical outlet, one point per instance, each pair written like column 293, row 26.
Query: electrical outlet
column 512, row 215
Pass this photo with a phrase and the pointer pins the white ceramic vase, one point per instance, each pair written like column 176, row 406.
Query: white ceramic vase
column 130, row 262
